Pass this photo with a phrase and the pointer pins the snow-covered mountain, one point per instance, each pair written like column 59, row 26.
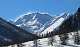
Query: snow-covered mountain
column 32, row 22
column 68, row 24
column 39, row 23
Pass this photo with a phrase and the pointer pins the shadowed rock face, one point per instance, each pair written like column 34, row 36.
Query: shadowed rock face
column 11, row 34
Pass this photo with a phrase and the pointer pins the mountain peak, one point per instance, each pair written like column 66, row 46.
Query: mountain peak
column 40, row 16
column 32, row 21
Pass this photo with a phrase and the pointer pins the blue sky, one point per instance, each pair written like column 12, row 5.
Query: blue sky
column 10, row 9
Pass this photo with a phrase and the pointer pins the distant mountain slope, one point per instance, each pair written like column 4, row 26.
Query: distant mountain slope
column 55, row 23
column 71, row 24
column 11, row 34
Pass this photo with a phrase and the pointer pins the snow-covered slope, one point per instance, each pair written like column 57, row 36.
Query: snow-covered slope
column 53, row 24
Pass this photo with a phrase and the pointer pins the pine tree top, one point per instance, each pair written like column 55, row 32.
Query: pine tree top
column 79, row 9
